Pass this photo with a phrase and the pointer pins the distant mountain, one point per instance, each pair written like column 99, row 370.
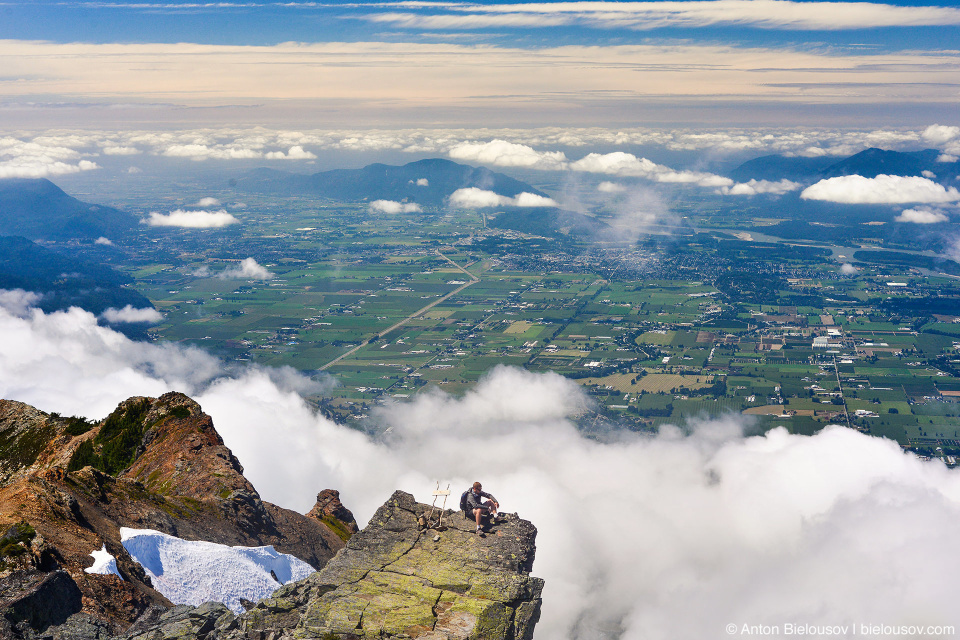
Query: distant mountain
column 872, row 162
column 40, row 210
column 775, row 168
column 65, row 281
column 425, row 182
column 868, row 163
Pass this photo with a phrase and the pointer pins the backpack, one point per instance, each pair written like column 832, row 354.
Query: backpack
column 464, row 505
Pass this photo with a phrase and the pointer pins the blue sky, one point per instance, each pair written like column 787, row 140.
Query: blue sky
column 497, row 63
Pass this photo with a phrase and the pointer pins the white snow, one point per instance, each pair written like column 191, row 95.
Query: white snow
column 193, row 572
column 103, row 563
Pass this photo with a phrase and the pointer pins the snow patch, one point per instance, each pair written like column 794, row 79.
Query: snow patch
column 193, row 572
column 103, row 563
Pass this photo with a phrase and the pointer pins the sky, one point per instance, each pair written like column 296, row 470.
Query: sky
column 389, row 64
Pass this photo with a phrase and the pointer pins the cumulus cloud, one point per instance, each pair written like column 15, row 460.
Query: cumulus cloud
column 946, row 157
column 848, row 269
column 508, row 154
column 192, row 219
column 104, row 241
column 130, row 315
column 423, row 182
column 610, row 187
column 392, row 206
column 883, row 189
column 476, row 198
column 248, row 269
column 937, row 134
column 216, row 152
column 922, row 215
column 620, row 163
column 667, row 536
column 296, row 152
column 208, row 202
column 753, row 187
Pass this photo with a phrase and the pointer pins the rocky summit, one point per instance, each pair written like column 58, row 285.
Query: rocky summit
column 403, row 576
column 67, row 485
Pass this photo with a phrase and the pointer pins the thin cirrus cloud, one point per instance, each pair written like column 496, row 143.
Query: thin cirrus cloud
column 883, row 189
column 767, row 14
column 192, row 219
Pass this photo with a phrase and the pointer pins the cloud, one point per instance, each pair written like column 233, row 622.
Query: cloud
column 423, row 182
column 937, row 134
column 130, row 315
column 667, row 536
column 501, row 153
column 476, row 198
column 205, row 152
column 765, row 14
column 120, row 151
column 295, row 152
column 249, row 269
column 18, row 302
column 134, row 170
column 208, row 202
column 610, row 187
column 391, row 206
column 753, row 187
column 192, row 219
column 848, row 269
column 620, row 163
column 946, row 157
column 883, row 189
column 922, row 215
column 104, row 241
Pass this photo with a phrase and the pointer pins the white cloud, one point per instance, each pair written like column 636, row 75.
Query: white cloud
column 476, row 198
column 946, row 157
column 620, row 163
column 208, row 202
column 130, row 315
column 40, row 167
column 134, row 170
column 937, row 134
column 391, row 206
column 104, row 241
column 295, row 152
column 928, row 174
column 610, row 187
column 883, row 189
column 922, row 215
column 205, row 152
column 248, row 269
column 192, row 219
column 501, row 153
column 112, row 150
column 423, row 182
column 18, row 302
column 753, row 187
column 666, row 536
column 848, row 269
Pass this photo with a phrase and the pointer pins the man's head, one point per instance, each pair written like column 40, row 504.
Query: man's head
column 477, row 487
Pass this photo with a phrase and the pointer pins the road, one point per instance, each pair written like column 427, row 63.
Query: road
column 473, row 280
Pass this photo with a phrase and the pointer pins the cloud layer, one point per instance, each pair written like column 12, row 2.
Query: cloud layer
column 665, row 537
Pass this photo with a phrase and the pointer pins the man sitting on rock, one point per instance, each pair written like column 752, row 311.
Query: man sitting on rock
column 478, row 508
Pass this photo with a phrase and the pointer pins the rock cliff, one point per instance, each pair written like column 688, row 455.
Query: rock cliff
column 394, row 579
column 67, row 486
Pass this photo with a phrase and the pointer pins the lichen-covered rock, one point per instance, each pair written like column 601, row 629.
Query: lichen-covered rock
column 397, row 579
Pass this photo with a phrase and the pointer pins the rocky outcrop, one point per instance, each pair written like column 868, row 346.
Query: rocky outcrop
column 397, row 579
column 67, row 486
column 330, row 511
